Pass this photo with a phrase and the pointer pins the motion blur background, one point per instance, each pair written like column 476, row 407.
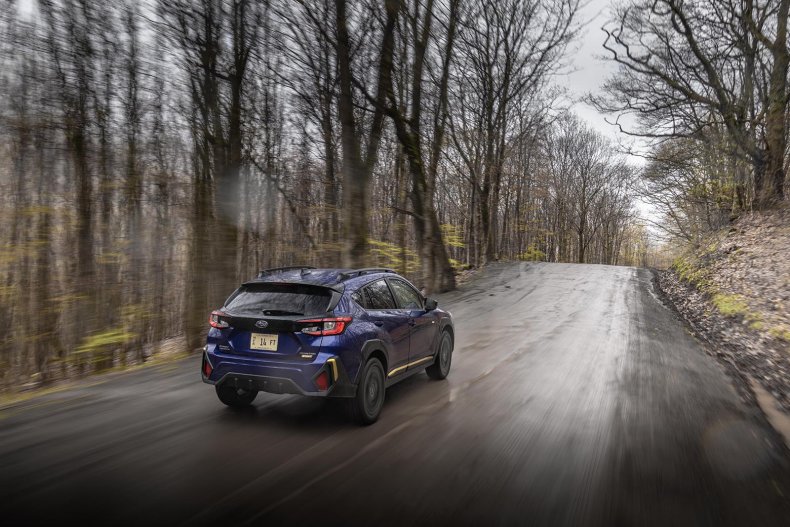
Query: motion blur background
column 153, row 154
column 156, row 153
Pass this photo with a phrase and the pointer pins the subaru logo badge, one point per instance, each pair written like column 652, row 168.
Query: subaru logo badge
column 261, row 324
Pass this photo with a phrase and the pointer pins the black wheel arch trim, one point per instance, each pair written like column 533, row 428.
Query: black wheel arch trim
column 447, row 324
column 367, row 350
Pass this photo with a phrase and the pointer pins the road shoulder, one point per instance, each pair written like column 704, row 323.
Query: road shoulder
column 755, row 371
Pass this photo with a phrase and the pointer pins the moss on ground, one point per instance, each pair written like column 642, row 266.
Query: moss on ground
column 691, row 268
column 780, row 332
column 688, row 268
column 730, row 305
column 757, row 325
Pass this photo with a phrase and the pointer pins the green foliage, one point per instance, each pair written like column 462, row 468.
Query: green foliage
column 111, row 258
column 451, row 234
column 730, row 305
column 719, row 191
column 135, row 312
column 532, row 254
column 103, row 340
column 757, row 325
column 392, row 255
column 780, row 333
column 18, row 252
column 36, row 210
column 689, row 270
column 7, row 292
column 69, row 298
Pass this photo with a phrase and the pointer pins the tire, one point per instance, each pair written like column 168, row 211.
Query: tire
column 444, row 358
column 236, row 397
column 366, row 405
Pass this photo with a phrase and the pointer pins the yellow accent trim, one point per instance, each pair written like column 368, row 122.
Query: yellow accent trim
column 396, row 370
column 399, row 368
column 333, row 362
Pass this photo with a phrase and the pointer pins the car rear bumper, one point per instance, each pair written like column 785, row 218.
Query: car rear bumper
column 280, row 377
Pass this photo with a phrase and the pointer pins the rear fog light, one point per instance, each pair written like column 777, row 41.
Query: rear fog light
column 322, row 381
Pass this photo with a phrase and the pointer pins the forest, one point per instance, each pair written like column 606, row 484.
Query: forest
column 155, row 153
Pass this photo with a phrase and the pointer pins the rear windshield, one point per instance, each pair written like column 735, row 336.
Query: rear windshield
column 279, row 300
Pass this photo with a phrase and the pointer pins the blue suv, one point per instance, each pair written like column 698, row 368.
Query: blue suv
column 326, row 333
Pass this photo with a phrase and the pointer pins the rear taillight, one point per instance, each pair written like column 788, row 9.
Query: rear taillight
column 216, row 322
column 324, row 327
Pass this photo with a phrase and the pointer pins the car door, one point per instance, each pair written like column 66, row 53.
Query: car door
column 383, row 312
column 424, row 328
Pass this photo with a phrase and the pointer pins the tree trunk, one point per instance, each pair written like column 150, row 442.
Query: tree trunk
column 355, row 178
column 771, row 189
column 198, row 272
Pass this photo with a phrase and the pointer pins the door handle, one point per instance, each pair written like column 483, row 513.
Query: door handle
column 379, row 323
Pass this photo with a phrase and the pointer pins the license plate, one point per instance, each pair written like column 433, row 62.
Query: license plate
column 262, row 341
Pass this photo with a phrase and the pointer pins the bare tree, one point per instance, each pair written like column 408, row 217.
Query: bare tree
column 357, row 169
column 686, row 67
column 309, row 47
column 408, row 118
column 508, row 51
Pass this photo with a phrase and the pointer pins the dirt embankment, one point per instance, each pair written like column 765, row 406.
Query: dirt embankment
column 735, row 293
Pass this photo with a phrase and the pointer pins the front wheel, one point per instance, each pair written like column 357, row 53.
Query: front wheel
column 236, row 397
column 365, row 407
column 441, row 366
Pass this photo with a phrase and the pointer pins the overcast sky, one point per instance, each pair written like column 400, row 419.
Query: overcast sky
column 589, row 69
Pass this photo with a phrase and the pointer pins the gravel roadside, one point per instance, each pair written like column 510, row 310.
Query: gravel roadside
column 734, row 293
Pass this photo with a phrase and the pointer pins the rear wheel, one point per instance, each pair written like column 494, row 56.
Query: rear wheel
column 365, row 407
column 441, row 366
column 236, row 397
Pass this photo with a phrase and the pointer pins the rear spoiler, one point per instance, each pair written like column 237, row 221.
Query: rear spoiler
column 337, row 288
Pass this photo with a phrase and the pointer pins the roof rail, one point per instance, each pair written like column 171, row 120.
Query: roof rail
column 265, row 272
column 345, row 275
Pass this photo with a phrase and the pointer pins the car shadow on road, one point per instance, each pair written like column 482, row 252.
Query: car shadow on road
column 315, row 414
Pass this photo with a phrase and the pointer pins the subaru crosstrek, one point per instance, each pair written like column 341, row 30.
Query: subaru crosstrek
column 326, row 333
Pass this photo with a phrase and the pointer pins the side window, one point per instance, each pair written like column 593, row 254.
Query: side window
column 361, row 298
column 378, row 296
column 405, row 295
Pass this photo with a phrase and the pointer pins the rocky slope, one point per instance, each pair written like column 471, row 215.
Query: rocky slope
column 735, row 294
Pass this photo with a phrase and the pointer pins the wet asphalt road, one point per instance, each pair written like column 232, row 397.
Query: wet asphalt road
column 575, row 398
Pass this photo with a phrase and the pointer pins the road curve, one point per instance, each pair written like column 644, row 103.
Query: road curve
column 576, row 398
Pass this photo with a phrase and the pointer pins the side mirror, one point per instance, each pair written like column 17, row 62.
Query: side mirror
column 430, row 304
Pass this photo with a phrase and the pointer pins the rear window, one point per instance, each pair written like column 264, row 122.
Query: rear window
column 279, row 300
